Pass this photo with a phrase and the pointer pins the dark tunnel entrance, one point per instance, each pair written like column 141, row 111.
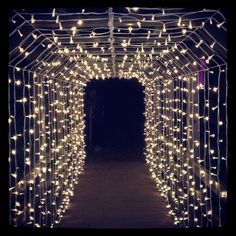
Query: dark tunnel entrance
column 114, row 118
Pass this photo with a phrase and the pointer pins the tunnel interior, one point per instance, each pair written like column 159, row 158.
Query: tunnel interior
column 118, row 115
column 176, row 108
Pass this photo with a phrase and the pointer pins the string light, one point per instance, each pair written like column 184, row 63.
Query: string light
column 185, row 126
column 164, row 28
column 135, row 8
column 32, row 19
column 53, row 12
column 190, row 25
column 80, row 22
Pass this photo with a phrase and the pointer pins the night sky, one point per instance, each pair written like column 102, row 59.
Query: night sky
column 118, row 119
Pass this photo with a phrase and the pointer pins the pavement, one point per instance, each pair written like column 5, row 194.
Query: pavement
column 116, row 191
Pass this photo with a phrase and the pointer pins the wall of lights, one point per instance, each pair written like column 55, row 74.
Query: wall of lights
column 46, row 147
column 178, row 55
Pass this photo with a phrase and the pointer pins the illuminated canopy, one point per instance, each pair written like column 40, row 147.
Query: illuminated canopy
column 180, row 57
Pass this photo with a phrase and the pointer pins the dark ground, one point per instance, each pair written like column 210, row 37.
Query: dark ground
column 116, row 191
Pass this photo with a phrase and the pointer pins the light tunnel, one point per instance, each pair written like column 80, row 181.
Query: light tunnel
column 180, row 57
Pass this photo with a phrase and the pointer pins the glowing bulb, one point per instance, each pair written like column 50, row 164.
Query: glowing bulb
column 223, row 194
column 60, row 26
column 24, row 99
column 35, row 36
column 71, row 40
column 190, row 25
column 200, row 42
column 215, row 89
column 32, row 19
column 164, row 28
column 21, row 35
column 66, row 50
column 212, row 45
column 179, row 22
column 220, row 24
column 135, row 8
column 53, row 12
column 79, row 22
column 18, row 82
column 21, row 49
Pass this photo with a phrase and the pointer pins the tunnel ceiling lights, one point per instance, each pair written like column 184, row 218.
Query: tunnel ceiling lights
column 124, row 43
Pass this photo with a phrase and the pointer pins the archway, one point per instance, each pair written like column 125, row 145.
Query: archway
column 117, row 118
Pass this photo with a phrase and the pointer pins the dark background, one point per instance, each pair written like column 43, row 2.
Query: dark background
column 118, row 120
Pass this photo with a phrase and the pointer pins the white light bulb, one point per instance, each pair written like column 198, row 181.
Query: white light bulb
column 32, row 19
column 79, row 22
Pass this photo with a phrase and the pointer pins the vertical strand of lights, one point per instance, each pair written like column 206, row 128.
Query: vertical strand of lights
column 195, row 144
column 47, row 151
column 14, row 176
column 172, row 152
column 204, row 179
column 189, row 167
column 32, row 148
column 181, row 137
column 28, row 151
column 198, row 162
column 218, row 145
column 38, row 154
column 24, row 142
column 12, row 148
column 156, row 148
column 178, row 159
column 198, row 146
column 208, row 198
column 53, row 153
column 9, row 148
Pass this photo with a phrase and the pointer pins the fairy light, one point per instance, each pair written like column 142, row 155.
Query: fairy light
column 179, row 22
column 164, row 28
column 185, row 126
column 79, row 22
column 130, row 29
column 21, row 35
column 21, row 49
column 135, row 8
column 190, row 25
column 200, row 42
column 32, row 19
column 53, row 12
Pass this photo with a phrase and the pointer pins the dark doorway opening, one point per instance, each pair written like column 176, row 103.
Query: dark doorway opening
column 114, row 118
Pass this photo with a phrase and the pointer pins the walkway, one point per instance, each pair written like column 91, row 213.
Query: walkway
column 116, row 193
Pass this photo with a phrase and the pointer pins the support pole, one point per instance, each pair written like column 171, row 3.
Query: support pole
column 111, row 39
